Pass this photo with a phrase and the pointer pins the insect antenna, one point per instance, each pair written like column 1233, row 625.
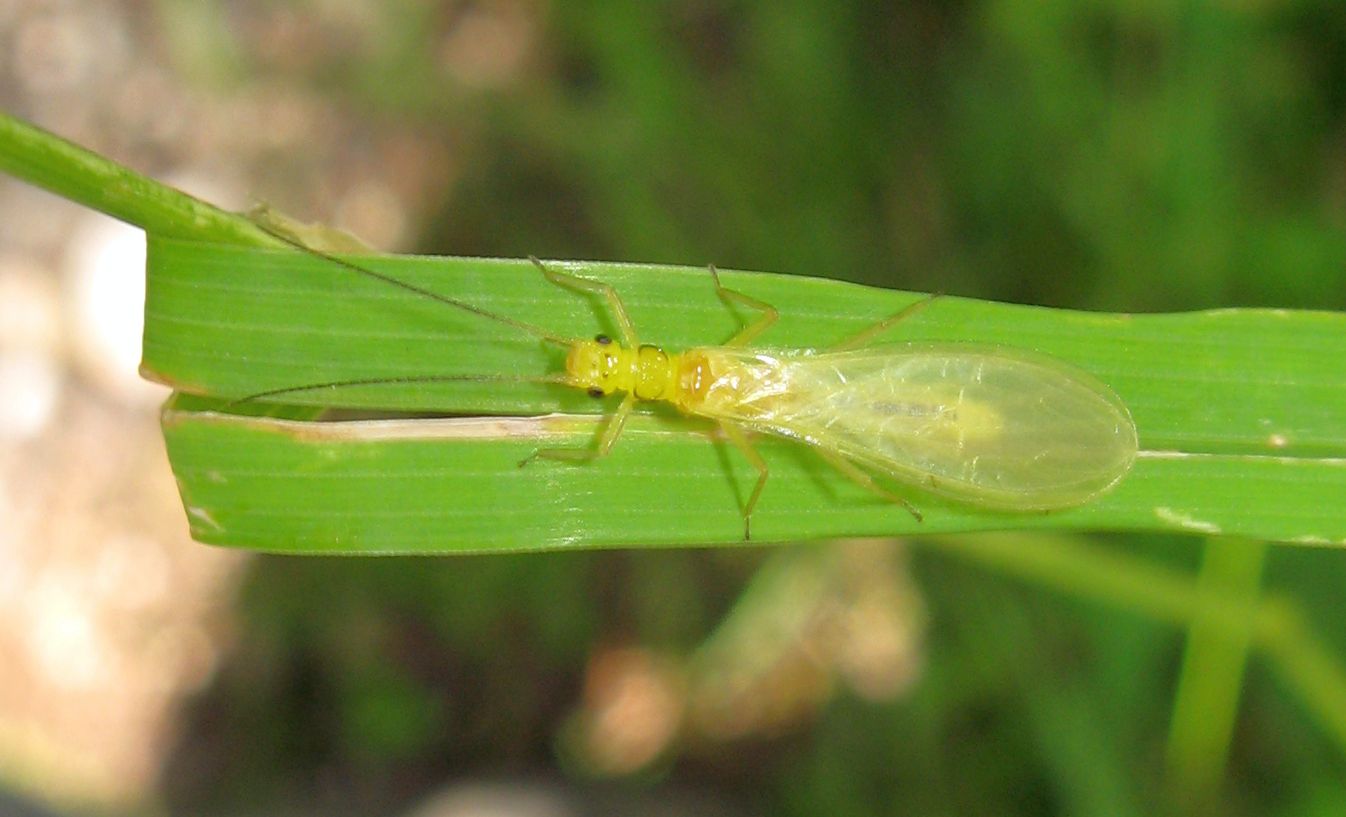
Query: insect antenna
column 559, row 379
column 535, row 331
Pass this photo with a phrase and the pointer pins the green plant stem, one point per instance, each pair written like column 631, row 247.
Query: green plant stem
column 1213, row 667
column 1306, row 666
column 1073, row 566
column 68, row 170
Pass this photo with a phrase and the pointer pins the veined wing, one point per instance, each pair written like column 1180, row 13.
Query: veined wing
column 985, row 424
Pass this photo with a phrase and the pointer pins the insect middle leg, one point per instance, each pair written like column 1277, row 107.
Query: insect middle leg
column 867, row 334
column 740, row 441
column 606, row 439
column 757, row 327
column 577, row 283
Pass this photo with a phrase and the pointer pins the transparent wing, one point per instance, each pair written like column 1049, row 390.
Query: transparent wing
column 980, row 423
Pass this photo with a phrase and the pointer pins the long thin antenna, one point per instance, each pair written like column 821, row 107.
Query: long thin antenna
column 559, row 379
column 536, row 331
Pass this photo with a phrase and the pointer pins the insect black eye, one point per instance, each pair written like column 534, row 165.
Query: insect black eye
column 603, row 340
column 595, row 392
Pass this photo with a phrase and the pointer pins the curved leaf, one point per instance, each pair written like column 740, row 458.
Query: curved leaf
column 1241, row 413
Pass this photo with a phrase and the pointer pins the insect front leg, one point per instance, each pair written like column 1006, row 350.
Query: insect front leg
column 857, row 475
column 740, row 441
column 867, row 334
column 757, row 327
column 606, row 439
column 577, row 283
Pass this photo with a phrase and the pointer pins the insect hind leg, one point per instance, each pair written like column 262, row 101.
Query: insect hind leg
column 864, row 336
column 857, row 475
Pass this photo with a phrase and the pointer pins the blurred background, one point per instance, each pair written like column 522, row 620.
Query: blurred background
column 1109, row 155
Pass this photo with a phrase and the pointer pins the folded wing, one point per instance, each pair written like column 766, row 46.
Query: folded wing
column 985, row 424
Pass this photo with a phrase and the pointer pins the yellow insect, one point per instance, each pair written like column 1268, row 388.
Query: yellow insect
column 985, row 425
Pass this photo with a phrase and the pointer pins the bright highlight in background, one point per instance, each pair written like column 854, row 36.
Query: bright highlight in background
column 105, row 293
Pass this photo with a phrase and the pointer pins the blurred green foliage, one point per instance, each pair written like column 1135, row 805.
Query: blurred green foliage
column 1112, row 154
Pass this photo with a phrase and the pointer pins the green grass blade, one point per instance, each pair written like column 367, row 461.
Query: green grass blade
column 1274, row 626
column 1241, row 413
column 48, row 161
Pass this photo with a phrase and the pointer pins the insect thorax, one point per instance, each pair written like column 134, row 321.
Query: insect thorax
column 604, row 367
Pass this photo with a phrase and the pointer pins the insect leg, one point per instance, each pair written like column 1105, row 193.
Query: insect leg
column 857, row 475
column 740, row 441
column 606, row 439
column 867, row 334
column 577, row 283
column 757, row 327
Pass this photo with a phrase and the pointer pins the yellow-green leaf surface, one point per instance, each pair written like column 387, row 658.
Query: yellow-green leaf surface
column 1241, row 413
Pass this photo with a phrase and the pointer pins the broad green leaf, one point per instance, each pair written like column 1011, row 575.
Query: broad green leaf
column 1241, row 413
